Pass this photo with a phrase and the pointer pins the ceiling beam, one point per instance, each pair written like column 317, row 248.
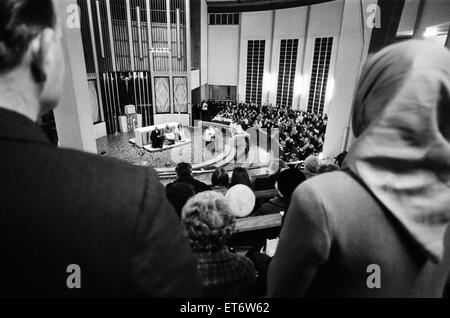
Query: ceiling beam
column 257, row 5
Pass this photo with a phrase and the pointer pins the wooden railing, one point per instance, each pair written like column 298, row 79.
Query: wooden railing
column 258, row 222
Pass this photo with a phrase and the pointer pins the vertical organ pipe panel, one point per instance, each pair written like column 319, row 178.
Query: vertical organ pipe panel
column 150, row 54
column 90, row 49
column 136, row 42
column 170, row 45
column 139, row 30
column 105, row 60
column 178, row 35
column 130, row 33
column 162, row 93
column 100, row 31
column 111, row 37
column 180, row 94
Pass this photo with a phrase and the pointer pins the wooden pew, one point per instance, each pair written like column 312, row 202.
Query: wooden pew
column 252, row 232
column 254, row 223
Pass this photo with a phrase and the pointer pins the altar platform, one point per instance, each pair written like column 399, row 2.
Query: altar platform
column 165, row 147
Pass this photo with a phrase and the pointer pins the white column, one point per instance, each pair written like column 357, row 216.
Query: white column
column 271, row 72
column 169, row 45
column 447, row 42
column 351, row 54
column 203, row 50
column 188, row 56
column 73, row 115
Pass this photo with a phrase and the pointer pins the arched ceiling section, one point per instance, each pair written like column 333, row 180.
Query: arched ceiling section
column 217, row 6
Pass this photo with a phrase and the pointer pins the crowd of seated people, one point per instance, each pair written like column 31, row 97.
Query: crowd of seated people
column 208, row 214
column 300, row 133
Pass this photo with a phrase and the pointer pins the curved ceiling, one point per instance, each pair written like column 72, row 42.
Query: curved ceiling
column 217, row 6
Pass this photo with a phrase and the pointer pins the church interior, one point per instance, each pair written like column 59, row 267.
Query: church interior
column 232, row 148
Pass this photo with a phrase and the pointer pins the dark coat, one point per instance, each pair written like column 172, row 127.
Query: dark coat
column 333, row 231
column 156, row 139
column 197, row 185
column 275, row 205
column 265, row 183
column 226, row 274
column 62, row 207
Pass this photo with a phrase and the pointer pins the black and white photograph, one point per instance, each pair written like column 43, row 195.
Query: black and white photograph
column 225, row 156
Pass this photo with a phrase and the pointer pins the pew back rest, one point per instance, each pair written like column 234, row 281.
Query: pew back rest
column 258, row 222
column 252, row 232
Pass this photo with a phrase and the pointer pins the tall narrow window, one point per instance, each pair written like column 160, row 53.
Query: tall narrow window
column 319, row 74
column 286, row 71
column 255, row 71
column 223, row 18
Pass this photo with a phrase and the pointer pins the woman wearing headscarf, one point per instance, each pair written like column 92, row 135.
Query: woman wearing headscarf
column 378, row 228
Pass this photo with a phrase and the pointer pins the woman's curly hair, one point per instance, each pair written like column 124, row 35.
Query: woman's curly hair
column 207, row 221
column 312, row 164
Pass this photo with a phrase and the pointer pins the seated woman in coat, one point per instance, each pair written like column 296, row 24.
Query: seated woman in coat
column 378, row 228
column 208, row 223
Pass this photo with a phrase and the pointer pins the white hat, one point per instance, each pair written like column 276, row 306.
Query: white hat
column 241, row 199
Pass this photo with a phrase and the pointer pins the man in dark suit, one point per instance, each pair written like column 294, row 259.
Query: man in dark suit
column 184, row 174
column 73, row 224
column 156, row 138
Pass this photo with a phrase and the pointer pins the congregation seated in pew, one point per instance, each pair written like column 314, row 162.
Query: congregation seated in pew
column 287, row 182
column 208, row 223
column 184, row 175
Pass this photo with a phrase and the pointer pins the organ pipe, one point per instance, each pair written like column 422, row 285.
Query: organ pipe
column 111, row 38
column 130, row 34
column 138, row 17
column 100, row 31
column 150, row 53
column 178, row 35
column 94, row 51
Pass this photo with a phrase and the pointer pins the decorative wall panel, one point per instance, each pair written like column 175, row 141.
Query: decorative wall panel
column 180, row 98
column 162, row 95
column 95, row 109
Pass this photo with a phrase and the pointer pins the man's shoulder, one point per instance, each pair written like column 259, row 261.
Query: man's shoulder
column 87, row 168
column 200, row 183
column 319, row 188
column 330, row 181
column 191, row 180
column 338, row 193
